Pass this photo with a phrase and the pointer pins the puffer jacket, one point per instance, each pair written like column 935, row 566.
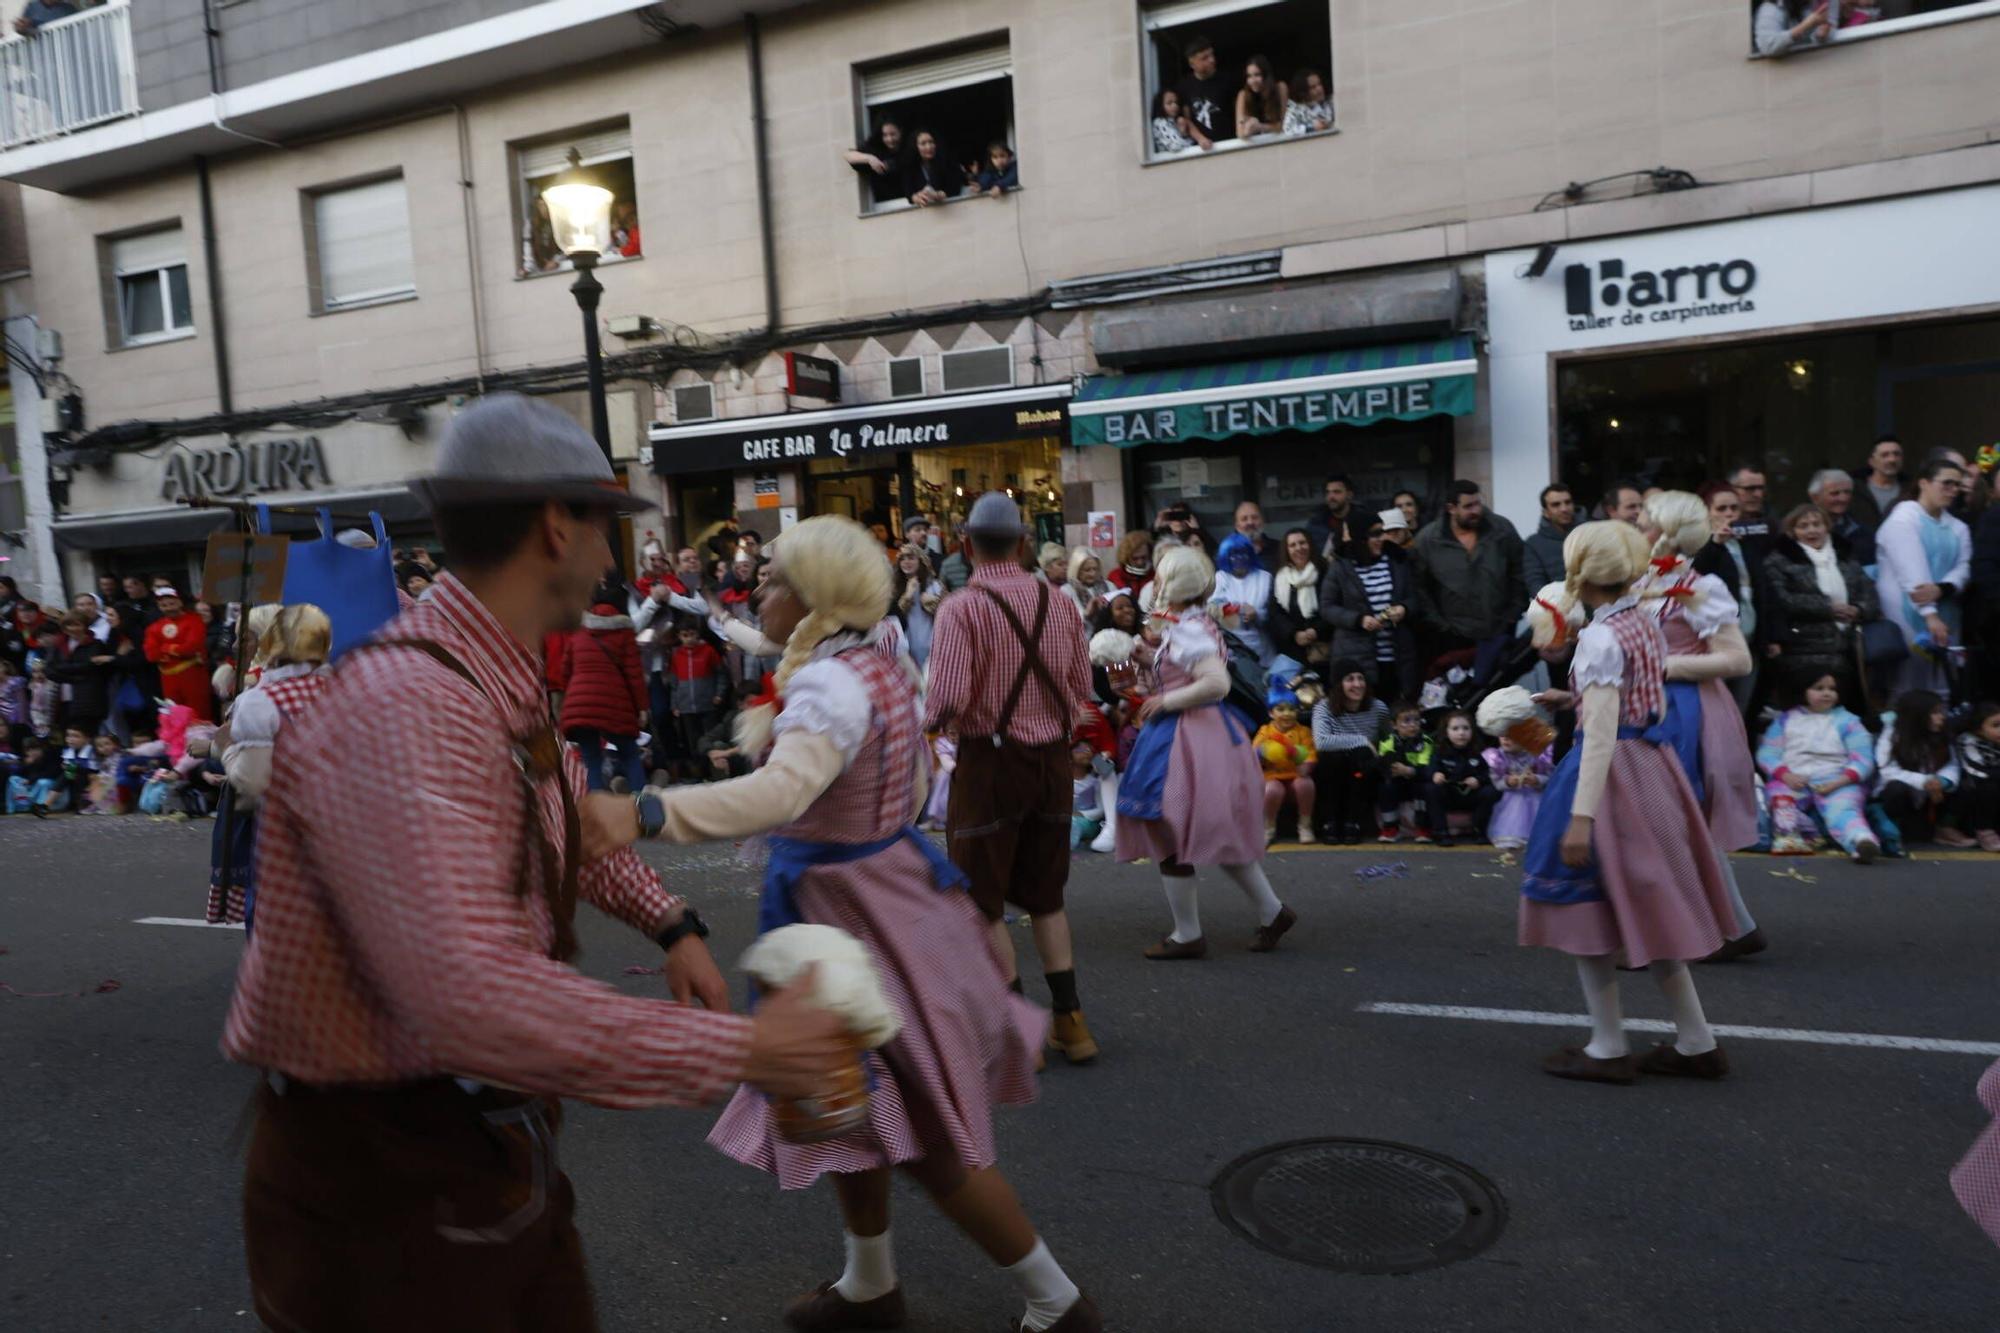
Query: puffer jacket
column 1799, row 617
column 598, row 673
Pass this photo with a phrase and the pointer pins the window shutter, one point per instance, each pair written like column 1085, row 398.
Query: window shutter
column 363, row 238
column 978, row 368
column 550, row 156
column 1174, row 13
column 153, row 250
column 934, row 75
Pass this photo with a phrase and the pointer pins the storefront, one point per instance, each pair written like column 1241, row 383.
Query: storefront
column 873, row 462
column 1790, row 341
column 1272, row 430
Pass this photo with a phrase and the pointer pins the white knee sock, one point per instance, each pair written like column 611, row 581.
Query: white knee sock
column 1256, row 885
column 1607, row 1015
column 1107, row 796
column 871, row 1268
column 1181, row 902
column 1691, row 1031
column 1049, row 1291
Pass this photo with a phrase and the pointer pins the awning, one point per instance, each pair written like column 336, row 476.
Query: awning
column 1357, row 387
column 191, row 527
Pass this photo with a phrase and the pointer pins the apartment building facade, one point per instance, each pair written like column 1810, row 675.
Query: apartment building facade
column 1523, row 239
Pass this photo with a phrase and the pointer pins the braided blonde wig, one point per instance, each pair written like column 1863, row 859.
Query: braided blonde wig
column 301, row 634
column 1606, row 555
column 1682, row 519
column 1181, row 575
column 257, row 636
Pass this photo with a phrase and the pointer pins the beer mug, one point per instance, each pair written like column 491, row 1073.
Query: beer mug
column 805, row 1120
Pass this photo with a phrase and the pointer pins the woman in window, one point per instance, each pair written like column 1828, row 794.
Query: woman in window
column 539, row 251
column 883, row 161
column 1169, row 124
column 932, row 178
column 1260, row 104
column 1778, row 26
column 1312, row 113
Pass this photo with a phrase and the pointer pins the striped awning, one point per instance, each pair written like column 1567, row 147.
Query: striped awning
column 1355, row 387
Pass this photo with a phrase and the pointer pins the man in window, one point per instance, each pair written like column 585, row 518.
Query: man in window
column 1207, row 100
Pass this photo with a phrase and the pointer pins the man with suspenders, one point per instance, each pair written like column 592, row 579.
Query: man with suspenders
column 1010, row 667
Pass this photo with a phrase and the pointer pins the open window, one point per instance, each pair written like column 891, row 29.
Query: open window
column 150, row 287
column 961, row 100
column 604, row 156
column 1782, row 27
column 1295, row 37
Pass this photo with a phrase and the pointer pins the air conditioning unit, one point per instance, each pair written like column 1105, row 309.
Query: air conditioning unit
column 978, row 368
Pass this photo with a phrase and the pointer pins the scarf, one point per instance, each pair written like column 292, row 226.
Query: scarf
column 1826, row 569
column 1304, row 584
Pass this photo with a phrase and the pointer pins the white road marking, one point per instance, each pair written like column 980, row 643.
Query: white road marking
column 186, row 921
column 1540, row 1018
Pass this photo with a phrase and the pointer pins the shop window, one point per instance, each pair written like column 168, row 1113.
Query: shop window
column 358, row 244
column 906, row 377
column 1293, row 37
column 961, row 100
column 979, row 368
column 694, row 402
column 150, row 287
column 604, row 157
column 1785, row 27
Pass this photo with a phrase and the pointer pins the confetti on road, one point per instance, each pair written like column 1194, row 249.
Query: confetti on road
column 1792, row 872
column 1400, row 870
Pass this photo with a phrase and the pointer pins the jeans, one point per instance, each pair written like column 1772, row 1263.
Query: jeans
column 22, row 794
column 625, row 750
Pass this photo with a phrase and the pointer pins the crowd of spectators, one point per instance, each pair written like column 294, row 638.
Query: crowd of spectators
column 1210, row 105
column 921, row 169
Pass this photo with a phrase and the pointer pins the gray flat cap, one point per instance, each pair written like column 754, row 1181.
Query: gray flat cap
column 994, row 514
column 507, row 448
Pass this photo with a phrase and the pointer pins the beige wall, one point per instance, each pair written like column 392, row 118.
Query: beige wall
column 1450, row 110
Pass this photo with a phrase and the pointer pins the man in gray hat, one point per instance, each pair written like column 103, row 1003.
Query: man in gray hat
column 1010, row 668
column 407, row 991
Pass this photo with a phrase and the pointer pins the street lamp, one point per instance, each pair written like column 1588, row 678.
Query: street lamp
column 580, row 213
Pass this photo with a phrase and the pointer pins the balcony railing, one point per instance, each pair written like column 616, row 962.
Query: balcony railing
column 66, row 75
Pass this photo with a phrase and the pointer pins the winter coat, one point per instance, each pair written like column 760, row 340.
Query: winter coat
column 1457, row 765
column 89, row 681
column 1285, row 623
column 598, row 673
column 697, row 678
column 1343, row 602
column 1799, row 617
column 1472, row 594
column 1542, row 557
column 1853, row 735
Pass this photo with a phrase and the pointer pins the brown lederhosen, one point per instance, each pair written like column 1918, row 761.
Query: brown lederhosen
column 1009, row 809
column 423, row 1207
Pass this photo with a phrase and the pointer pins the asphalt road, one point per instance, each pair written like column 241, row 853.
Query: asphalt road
column 1808, row 1191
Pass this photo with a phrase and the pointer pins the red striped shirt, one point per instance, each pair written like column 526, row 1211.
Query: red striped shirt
column 975, row 656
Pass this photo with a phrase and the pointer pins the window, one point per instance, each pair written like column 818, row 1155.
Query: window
column 694, row 402
column 961, row 98
column 906, row 377
column 1782, row 27
column 358, row 239
column 980, row 368
column 149, row 272
column 1293, row 37
column 604, row 156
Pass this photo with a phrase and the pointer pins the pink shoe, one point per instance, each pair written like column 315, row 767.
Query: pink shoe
column 1989, row 840
column 1951, row 837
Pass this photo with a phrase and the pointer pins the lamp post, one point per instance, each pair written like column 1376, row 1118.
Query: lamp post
column 580, row 214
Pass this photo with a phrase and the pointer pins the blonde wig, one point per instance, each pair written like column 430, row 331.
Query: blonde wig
column 1181, row 575
column 1682, row 519
column 1605, row 555
column 300, row 634
column 257, row 633
column 1553, row 617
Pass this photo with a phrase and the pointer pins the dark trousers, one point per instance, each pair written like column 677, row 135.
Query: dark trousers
column 420, row 1209
column 692, row 727
column 666, row 737
column 1347, row 782
column 1008, row 823
column 1977, row 805
column 1911, row 809
column 1445, row 800
column 590, row 743
column 1394, row 791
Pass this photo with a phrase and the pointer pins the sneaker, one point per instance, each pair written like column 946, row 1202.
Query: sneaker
column 1306, row 836
column 1989, row 840
column 1951, row 837
column 1867, row 850
column 1424, row 837
column 1389, row 833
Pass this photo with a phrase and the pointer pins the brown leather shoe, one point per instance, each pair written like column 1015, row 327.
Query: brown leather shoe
column 1571, row 1062
column 1171, row 950
column 1079, row 1318
column 1268, row 936
column 824, row 1310
column 1071, row 1035
column 1664, row 1059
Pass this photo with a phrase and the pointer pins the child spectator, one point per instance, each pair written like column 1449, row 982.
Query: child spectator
column 79, row 765
column 603, row 691
column 1917, row 770
column 1518, row 777
column 1310, row 111
column 1978, row 804
column 1817, row 756
column 1347, row 725
column 34, row 787
column 1086, row 818
column 944, row 758
column 44, row 695
column 1169, row 124
column 1403, row 756
column 1457, row 781
column 145, row 754
column 698, row 687
column 1002, row 171
column 1285, row 749
column 13, row 703
column 102, row 798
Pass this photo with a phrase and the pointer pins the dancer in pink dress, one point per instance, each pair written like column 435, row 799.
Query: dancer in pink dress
column 1192, row 793
column 844, row 779
column 1620, row 862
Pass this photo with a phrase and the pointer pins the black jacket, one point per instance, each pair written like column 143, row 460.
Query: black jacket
column 1285, row 624
column 89, row 681
column 1457, row 765
column 1470, row 595
column 1800, row 616
column 1343, row 602
column 1542, row 557
column 938, row 174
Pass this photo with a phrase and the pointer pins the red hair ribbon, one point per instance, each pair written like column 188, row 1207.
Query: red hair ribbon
column 1562, row 621
column 1665, row 564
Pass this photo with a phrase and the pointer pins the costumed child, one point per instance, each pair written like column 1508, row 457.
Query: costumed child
column 1095, row 731
column 1620, row 865
column 1918, row 772
column 1086, row 817
column 1115, row 653
column 1403, row 756
column 944, row 758
column 1192, row 793
column 1818, row 758
column 1457, row 781
column 1347, row 725
column 843, row 780
column 43, row 697
column 1978, row 801
column 1519, row 766
column 102, row 799
column 1285, row 749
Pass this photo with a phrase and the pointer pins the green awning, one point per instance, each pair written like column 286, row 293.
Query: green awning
column 1357, row 387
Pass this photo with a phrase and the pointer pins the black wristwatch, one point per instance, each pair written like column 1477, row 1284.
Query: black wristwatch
column 689, row 924
column 652, row 814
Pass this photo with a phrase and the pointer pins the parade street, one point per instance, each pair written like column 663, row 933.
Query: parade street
column 1807, row 1191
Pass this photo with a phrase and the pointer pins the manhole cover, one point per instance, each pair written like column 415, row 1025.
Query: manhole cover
column 1359, row 1205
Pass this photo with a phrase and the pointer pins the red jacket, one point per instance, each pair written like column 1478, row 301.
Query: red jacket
column 598, row 672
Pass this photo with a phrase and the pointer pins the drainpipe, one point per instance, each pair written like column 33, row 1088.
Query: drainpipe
column 754, row 33
column 225, row 402
column 471, row 244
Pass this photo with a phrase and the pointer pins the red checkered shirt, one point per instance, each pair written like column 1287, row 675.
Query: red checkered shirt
column 391, row 943
column 975, row 656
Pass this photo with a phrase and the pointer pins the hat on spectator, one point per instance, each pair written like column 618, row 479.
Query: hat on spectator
column 913, row 519
column 994, row 514
column 509, row 449
column 1393, row 519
